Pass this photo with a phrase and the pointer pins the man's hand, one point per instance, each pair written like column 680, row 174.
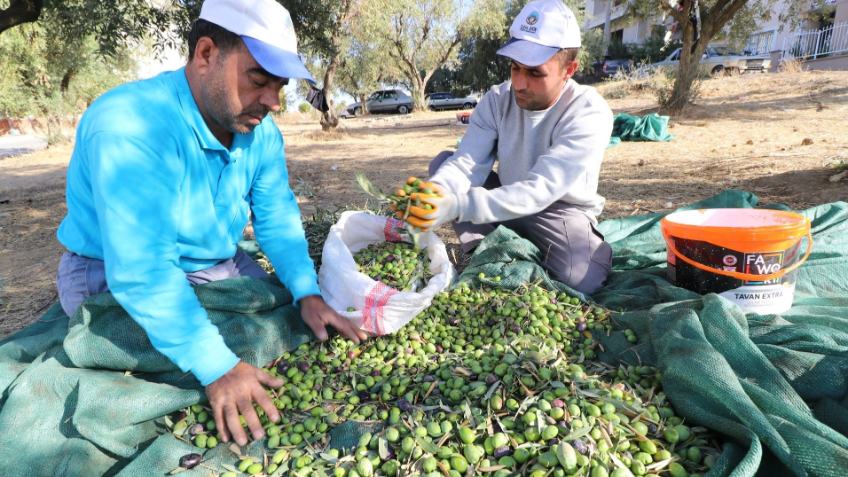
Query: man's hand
column 444, row 208
column 317, row 315
column 234, row 393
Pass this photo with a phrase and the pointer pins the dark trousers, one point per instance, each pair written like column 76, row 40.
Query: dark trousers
column 573, row 250
column 80, row 277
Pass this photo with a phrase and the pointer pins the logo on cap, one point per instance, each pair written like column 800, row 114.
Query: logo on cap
column 533, row 18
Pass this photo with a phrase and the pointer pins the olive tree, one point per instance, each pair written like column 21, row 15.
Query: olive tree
column 51, row 77
column 363, row 70
column 324, row 31
column 702, row 21
column 112, row 24
column 420, row 36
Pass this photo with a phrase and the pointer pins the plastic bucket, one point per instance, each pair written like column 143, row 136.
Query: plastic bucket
column 748, row 256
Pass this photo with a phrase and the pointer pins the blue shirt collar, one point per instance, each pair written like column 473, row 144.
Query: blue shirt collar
column 195, row 120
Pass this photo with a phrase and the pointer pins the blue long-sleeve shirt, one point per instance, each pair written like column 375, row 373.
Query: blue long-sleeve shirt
column 154, row 194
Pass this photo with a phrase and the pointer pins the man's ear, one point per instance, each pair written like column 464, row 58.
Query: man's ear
column 205, row 54
column 570, row 70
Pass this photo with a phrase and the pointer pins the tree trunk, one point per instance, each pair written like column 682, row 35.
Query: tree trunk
column 687, row 70
column 66, row 80
column 329, row 120
column 418, row 86
column 363, row 103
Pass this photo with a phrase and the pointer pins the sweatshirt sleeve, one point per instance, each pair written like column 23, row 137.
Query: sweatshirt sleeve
column 137, row 202
column 475, row 157
column 277, row 223
column 569, row 168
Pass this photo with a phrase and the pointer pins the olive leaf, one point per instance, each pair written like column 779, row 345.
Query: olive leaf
column 578, row 433
column 492, row 468
column 177, row 470
column 427, row 445
column 383, row 448
column 368, row 187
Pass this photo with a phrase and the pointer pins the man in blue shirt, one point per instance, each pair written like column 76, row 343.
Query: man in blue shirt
column 163, row 174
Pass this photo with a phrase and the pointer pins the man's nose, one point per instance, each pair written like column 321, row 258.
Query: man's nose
column 518, row 81
column 271, row 99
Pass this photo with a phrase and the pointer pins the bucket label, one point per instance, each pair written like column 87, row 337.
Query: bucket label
column 761, row 296
column 765, row 300
column 763, row 264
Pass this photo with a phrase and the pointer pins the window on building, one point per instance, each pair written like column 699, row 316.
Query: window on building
column 617, row 35
column 760, row 43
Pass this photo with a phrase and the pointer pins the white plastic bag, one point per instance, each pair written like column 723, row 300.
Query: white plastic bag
column 380, row 309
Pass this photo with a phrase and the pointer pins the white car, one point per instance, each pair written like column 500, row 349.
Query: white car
column 719, row 60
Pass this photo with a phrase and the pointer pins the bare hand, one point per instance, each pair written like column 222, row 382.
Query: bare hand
column 317, row 315
column 234, row 393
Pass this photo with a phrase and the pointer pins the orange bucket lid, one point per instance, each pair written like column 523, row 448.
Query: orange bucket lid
column 725, row 227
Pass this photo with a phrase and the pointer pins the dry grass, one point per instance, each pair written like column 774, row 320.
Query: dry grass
column 792, row 66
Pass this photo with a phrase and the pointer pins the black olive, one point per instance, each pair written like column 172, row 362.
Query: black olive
column 189, row 461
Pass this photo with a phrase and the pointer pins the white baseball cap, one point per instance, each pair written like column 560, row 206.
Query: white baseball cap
column 541, row 29
column 267, row 30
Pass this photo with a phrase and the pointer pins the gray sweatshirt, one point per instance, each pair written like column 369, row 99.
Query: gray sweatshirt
column 544, row 156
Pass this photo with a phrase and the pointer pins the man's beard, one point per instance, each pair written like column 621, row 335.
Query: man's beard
column 215, row 99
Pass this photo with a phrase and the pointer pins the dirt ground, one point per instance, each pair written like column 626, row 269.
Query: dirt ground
column 773, row 135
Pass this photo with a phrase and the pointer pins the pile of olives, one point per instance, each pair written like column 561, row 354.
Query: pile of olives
column 486, row 381
column 400, row 265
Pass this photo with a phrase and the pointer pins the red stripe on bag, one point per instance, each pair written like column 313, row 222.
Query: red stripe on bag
column 389, row 230
column 375, row 303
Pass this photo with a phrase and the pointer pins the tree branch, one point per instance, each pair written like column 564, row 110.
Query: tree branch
column 19, row 12
column 724, row 16
column 677, row 15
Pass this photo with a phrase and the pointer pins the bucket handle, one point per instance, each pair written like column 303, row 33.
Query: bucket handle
column 740, row 275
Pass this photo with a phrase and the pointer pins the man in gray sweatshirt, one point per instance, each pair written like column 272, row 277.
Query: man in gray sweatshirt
column 548, row 135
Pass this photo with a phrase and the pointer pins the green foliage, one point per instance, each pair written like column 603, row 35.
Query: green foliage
column 112, row 25
column 618, row 50
column 448, row 80
column 44, row 74
column 304, row 108
column 480, row 67
column 592, row 49
column 420, row 36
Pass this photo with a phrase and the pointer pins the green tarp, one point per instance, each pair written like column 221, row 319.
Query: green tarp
column 633, row 128
column 86, row 395
column 777, row 386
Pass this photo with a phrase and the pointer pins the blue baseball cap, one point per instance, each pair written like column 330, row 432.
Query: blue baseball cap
column 267, row 30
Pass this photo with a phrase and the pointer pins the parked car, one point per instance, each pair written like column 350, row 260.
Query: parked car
column 386, row 101
column 755, row 64
column 720, row 60
column 442, row 101
column 608, row 67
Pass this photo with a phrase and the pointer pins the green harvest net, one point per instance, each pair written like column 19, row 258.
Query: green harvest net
column 87, row 395
column 652, row 127
column 777, row 386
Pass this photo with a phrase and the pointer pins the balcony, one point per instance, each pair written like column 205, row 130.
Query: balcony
column 599, row 13
column 817, row 6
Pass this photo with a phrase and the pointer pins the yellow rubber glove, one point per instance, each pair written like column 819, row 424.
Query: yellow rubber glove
column 443, row 208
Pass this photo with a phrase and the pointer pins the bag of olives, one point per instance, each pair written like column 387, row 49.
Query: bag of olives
column 372, row 274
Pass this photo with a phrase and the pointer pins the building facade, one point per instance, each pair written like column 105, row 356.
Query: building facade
column 821, row 35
